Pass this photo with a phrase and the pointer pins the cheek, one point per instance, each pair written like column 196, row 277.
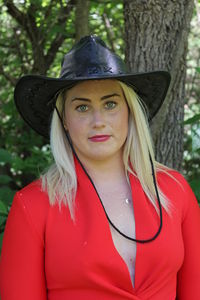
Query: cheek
column 124, row 126
column 75, row 126
column 122, row 121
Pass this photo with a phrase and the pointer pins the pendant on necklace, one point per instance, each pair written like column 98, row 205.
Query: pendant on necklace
column 127, row 200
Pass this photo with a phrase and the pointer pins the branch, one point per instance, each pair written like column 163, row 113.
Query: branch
column 49, row 9
column 19, row 16
column 81, row 19
column 20, row 55
column 9, row 46
column 7, row 76
column 58, row 40
column 36, row 38
column 109, row 31
column 27, row 21
column 31, row 24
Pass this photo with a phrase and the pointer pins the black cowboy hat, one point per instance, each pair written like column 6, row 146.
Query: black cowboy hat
column 35, row 95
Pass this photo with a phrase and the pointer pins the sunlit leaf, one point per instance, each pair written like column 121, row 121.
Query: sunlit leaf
column 198, row 69
column 192, row 120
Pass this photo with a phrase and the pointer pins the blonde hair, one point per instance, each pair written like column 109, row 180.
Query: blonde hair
column 60, row 180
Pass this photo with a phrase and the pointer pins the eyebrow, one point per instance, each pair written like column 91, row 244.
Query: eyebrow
column 102, row 98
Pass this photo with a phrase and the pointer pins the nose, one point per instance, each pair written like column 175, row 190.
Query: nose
column 98, row 119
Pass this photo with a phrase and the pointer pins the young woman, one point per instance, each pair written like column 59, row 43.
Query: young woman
column 106, row 221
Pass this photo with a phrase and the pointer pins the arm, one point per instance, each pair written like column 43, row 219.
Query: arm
column 188, row 285
column 22, row 274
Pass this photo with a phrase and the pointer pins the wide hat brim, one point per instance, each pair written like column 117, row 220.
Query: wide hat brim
column 35, row 95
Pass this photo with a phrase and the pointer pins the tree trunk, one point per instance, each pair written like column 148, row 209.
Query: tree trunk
column 156, row 34
column 82, row 19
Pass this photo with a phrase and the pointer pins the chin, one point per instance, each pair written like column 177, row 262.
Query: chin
column 99, row 153
column 101, row 156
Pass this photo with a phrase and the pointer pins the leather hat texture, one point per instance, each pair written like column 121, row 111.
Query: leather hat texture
column 89, row 59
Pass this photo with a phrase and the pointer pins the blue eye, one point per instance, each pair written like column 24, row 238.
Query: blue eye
column 111, row 104
column 82, row 108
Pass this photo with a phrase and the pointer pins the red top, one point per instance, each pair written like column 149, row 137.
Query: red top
column 45, row 256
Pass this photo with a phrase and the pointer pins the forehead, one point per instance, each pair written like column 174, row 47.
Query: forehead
column 95, row 87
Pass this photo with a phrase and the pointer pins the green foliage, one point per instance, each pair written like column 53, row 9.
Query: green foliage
column 191, row 162
column 106, row 20
column 30, row 31
column 192, row 120
column 5, row 156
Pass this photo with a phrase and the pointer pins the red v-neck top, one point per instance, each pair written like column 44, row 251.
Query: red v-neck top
column 46, row 256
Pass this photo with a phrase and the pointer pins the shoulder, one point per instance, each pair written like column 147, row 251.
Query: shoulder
column 33, row 187
column 177, row 189
column 33, row 202
column 174, row 180
column 33, row 196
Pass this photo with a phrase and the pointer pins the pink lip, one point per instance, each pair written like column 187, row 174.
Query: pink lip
column 99, row 138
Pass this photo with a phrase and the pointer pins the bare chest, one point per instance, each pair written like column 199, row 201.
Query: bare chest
column 122, row 216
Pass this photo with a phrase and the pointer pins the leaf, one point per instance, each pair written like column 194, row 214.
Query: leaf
column 198, row 69
column 6, row 195
column 57, row 29
column 195, row 185
column 5, row 156
column 192, row 120
column 4, row 179
column 1, row 240
column 8, row 108
column 18, row 163
column 3, row 209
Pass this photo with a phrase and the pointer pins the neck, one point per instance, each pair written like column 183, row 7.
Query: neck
column 107, row 170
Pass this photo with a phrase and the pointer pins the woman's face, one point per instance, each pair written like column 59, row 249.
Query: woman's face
column 96, row 117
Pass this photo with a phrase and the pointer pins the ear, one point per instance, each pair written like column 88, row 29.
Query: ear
column 65, row 125
column 64, row 122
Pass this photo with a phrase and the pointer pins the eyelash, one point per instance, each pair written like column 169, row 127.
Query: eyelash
column 78, row 108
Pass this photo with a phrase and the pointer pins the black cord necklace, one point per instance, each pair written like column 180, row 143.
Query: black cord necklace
column 154, row 181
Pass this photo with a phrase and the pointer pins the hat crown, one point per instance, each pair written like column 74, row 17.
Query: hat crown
column 91, row 58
